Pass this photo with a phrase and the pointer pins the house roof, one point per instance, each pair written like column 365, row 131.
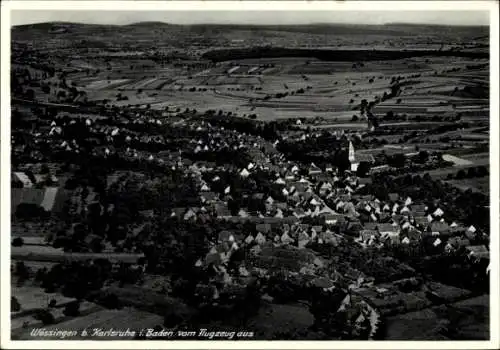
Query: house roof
column 441, row 227
column 370, row 225
column 265, row 228
column 387, row 228
column 421, row 220
column 337, row 217
column 393, row 197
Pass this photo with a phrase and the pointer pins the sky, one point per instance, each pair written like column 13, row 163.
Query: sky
column 19, row 17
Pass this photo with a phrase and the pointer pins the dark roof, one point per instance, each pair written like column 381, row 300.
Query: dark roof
column 387, row 228
column 440, row 227
column 393, row 196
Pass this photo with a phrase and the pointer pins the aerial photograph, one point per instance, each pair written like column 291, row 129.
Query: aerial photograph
column 183, row 175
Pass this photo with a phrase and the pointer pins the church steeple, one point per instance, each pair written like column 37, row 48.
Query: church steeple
column 352, row 156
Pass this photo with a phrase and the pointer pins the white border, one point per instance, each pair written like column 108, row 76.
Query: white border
column 7, row 6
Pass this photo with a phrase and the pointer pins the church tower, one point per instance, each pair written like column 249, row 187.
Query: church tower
column 352, row 157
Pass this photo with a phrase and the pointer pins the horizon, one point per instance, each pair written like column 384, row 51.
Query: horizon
column 255, row 25
column 256, row 18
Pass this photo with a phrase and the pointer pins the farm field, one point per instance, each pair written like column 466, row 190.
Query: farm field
column 273, row 319
column 33, row 298
column 50, row 254
column 330, row 89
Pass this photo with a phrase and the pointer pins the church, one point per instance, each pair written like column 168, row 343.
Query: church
column 356, row 159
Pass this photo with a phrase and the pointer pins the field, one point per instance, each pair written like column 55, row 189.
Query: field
column 33, row 298
column 464, row 320
column 308, row 88
column 41, row 253
column 275, row 319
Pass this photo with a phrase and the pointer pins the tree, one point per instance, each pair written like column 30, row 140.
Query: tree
column 398, row 160
column 61, row 94
column 96, row 245
column 45, row 316
column 30, row 94
column 52, row 303
column 482, row 171
column 471, row 172
column 17, row 242
column 72, row 309
column 423, row 156
column 21, row 270
column 110, row 301
column 14, row 305
column 461, row 174
column 363, row 169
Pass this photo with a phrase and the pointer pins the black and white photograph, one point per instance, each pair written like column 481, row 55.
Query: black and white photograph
column 228, row 173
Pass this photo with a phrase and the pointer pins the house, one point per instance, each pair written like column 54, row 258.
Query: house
column 478, row 252
column 455, row 243
column 208, row 197
column 370, row 226
column 314, row 169
column 286, row 239
column 249, row 239
column 329, row 168
column 334, row 219
column 388, row 229
column 418, row 209
column 368, row 236
column 40, row 178
column 289, row 176
column 326, row 186
column 190, row 214
column 258, row 196
column 421, row 221
column 225, row 236
column 438, row 212
column 299, row 213
column 21, row 180
column 440, row 228
column 205, row 188
column 264, row 228
column 412, row 235
column 280, row 181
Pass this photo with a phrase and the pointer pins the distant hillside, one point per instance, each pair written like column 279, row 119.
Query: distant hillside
column 221, row 55
column 320, row 28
